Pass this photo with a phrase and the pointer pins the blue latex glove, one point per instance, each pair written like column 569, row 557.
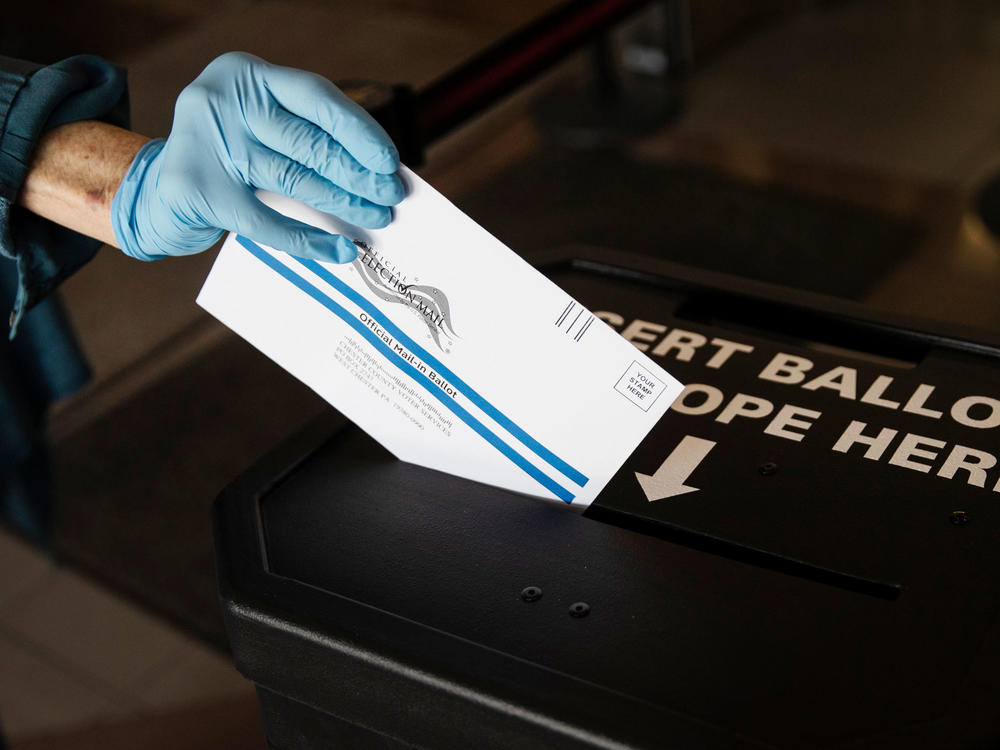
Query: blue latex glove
column 245, row 124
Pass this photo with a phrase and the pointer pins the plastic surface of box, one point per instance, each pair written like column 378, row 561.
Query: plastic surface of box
column 831, row 590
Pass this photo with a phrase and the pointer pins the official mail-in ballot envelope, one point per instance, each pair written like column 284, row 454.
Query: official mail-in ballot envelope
column 448, row 348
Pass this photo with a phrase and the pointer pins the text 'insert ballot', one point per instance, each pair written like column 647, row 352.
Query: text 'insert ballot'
column 448, row 348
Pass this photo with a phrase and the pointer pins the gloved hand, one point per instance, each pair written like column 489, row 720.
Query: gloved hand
column 245, row 124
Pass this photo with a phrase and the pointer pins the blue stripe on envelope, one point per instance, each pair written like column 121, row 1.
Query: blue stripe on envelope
column 530, row 469
column 499, row 417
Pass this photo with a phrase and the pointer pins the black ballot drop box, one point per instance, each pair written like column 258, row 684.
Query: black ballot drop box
column 803, row 553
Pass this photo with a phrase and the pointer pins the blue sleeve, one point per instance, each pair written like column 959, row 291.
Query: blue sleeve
column 36, row 254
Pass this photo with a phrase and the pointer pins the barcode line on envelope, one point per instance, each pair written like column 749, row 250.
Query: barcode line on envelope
column 584, row 323
column 565, row 312
column 574, row 320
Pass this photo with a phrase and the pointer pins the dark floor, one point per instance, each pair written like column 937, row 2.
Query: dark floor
column 693, row 216
column 134, row 489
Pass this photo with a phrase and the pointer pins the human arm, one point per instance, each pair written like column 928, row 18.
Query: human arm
column 37, row 254
column 74, row 175
column 242, row 125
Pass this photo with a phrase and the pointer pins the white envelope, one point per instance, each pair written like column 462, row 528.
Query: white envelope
column 448, row 348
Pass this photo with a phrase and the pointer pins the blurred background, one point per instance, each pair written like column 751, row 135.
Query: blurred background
column 845, row 148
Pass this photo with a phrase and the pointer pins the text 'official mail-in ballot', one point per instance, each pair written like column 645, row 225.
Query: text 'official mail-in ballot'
column 448, row 348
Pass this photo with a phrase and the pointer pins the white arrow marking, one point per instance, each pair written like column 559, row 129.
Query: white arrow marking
column 669, row 479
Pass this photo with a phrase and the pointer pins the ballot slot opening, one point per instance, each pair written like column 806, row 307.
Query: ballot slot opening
column 742, row 553
column 808, row 329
